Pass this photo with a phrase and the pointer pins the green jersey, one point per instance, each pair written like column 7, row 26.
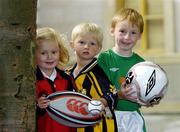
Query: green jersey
column 116, row 67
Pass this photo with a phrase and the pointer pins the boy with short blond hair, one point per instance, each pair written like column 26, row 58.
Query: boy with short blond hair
column 90, row 79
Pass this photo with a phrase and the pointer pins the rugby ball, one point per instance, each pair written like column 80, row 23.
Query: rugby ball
column 150, row 81
column 70, row 109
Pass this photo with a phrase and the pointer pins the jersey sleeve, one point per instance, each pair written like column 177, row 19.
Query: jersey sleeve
column 107, row 88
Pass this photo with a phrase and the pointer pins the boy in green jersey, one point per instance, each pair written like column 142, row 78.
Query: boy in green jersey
column 126, row 28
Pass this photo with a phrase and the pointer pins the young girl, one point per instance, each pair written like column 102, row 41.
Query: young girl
column 49, row 52
column 86, row 41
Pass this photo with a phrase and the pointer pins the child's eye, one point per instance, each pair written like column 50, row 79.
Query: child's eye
column 122, row 31
column 81, row 42
column 42, row 53
column 92, row 43
column 133, row 32
column 54, row 52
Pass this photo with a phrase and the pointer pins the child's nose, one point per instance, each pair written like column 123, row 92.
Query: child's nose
column 86, row 45
column 49, row 55
column 127, row 36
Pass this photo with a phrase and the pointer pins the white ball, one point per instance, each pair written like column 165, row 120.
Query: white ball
column 95, row 107
column 150, row 81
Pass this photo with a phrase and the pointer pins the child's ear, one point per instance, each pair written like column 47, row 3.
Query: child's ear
column 140, row 36
column 72, row 44
column 99, row 49
column 112, row 31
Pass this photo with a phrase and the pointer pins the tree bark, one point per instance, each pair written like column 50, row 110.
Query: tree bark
column 17, row 32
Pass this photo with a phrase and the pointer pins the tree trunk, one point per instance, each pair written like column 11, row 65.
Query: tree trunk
column 17, row 32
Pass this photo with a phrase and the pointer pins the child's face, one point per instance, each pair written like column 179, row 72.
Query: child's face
column 126, row 36
column 47, row 55
column 86, row 46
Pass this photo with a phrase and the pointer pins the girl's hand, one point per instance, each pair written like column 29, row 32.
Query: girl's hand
column 43, row 102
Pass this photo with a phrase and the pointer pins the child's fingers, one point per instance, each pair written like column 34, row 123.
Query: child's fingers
column 133, row 99
column 43, row 102
column 131, row 93
column 43, row 105
column 152, row 104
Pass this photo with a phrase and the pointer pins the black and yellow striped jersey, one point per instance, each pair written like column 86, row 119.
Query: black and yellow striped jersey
column 93, row 82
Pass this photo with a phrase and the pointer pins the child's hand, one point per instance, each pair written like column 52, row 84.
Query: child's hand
column 153, row 103
column 43, row 102
column 128, row 92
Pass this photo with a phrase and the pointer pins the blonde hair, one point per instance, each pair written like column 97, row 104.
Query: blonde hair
column 48, row 33
column 134, row 17
column 84, row 28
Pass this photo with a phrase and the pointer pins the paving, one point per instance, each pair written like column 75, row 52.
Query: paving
column 163, row 123
column 163, row 118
